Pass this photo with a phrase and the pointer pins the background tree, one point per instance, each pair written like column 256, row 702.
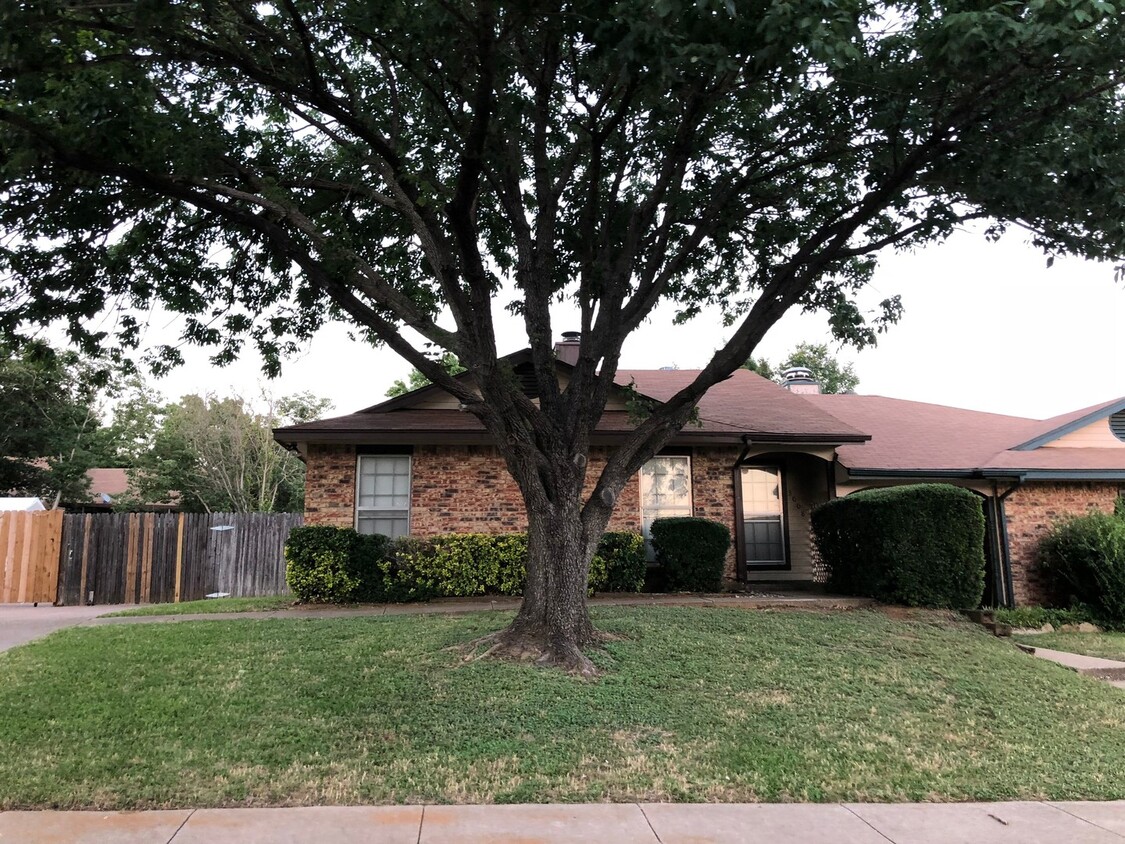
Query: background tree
column 416, row 380
column 264, row 167
column 49, row 423
column 216, row 454
column 826, row 369
column 761, row 366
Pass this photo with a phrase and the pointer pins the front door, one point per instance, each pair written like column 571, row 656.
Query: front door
column 763, row 518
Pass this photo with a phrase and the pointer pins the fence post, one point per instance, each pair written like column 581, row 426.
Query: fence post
column 51, row 557
column 87, row 523
column 7, row 546
column 179, row 555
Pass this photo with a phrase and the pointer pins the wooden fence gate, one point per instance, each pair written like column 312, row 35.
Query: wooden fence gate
column 30, row 545
column 149, row 558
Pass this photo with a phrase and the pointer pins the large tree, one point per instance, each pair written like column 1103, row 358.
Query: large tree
column 217, row 454
column 50, row 425
column 413, row 167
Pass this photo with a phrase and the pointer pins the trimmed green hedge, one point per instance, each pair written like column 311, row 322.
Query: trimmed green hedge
column 691, row 552
column 1084, row 557
column 326, row 564
column 919, row 545
column 333, row 565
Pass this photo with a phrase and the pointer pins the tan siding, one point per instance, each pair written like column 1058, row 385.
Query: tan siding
column 1095, row 435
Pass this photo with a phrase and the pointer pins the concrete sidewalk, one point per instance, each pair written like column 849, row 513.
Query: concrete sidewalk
column 620, row 823
column 23, row 623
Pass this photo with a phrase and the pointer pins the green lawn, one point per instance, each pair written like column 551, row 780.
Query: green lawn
column 1105, row 645
column 695, row 705
column 212, row 605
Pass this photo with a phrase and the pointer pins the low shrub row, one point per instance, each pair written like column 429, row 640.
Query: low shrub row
column 337, row 565
column 1035, row 617
column 919, row 545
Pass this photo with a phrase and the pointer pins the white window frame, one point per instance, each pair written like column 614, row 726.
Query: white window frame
column 687, row 510
column 409, row 489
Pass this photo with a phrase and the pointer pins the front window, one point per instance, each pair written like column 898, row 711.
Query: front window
column 665, row 491
column 383, row 495
column 763, row 512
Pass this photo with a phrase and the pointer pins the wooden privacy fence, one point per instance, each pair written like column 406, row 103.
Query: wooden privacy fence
column 30, row 545
column 149, row 558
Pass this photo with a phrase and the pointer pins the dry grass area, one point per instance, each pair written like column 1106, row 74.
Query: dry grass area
column 694, row 704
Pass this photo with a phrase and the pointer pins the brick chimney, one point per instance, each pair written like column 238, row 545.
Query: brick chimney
column 566, row 349
column 799, row 379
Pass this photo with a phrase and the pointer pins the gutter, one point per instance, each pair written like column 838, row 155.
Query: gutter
column 914, row 473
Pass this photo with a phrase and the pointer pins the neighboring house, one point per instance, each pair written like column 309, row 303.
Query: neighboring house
column 760, row 459
column 108, row 486
column 1028, row 472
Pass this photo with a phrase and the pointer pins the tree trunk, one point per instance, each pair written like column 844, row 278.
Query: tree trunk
column 553, row 625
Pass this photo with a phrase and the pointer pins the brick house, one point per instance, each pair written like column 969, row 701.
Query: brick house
column 761, row 457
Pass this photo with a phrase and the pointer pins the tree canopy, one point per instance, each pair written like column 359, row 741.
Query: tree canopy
column 411, row 168
column 49, row 422
column 217, row 454
column 416, row 380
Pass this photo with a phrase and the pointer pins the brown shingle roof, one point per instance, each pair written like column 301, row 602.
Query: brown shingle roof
column 744, row 404
column 749, row 403
column 914, row 437
column 112, row 482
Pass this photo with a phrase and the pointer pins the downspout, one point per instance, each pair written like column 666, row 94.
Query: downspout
column 1006, row 553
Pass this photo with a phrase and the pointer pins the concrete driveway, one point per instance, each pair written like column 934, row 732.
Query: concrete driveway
column 21, row 623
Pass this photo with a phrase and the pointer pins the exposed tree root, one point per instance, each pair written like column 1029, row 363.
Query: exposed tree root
column 541, row 651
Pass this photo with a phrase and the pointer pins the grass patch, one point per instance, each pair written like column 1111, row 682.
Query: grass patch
column 696, row 705
column 1104, row 645
column 211, row 605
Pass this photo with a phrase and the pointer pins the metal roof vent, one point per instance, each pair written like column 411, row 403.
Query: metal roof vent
column 800, row 379
column 567, row 348
column 1117, row 425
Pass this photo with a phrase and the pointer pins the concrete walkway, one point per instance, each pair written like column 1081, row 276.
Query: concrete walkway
column 620, row 823
column 1092, row 666
column 23, row 623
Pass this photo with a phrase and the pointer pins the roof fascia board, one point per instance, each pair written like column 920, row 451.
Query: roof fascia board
column 913, row 473
column 1060, row 474
column 1069, row 427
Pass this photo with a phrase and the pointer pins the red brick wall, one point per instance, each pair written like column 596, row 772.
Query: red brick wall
column 467, row 489
column 330, row 485
column 1031, row 511
column 462, row 489
column 712, row 493
column 454, row 489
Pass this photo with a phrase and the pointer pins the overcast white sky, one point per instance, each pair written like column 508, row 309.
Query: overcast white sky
column 986, row 326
